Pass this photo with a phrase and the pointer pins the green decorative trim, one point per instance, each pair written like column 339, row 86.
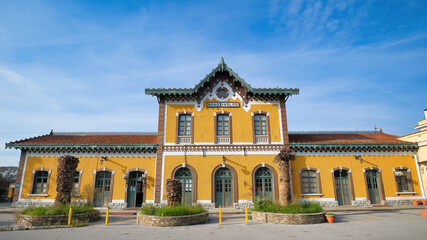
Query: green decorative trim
column 273, row 91
column 222, row 67
column 352, row 146
column 82, row 146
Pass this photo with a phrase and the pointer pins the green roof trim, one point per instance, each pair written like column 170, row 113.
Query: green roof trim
column 81, row 146
column 327, row 146
column 222, row 67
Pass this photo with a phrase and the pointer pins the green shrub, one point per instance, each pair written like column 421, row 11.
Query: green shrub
column 57, row 210
column 172, row 210
column 293, row 208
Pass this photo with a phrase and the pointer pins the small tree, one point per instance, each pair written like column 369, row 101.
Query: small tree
column 65, row 177
column 282, row 161
column 173, row 192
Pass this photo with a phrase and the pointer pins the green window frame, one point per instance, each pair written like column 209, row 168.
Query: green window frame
column 309, row 184
column 223, row 125
column 184, row 125
column 403, row 180
column 40, row 182
column 260, row 122
column 76, row 183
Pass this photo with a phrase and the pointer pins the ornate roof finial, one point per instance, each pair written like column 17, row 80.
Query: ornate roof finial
column 222, row 64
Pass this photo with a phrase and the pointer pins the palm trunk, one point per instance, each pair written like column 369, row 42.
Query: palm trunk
column 285, row 197
column 283, row 163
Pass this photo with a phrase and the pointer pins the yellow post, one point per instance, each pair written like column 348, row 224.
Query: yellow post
column 219, row 215
column 70, row 213
column 106, row 216
column 246, row 213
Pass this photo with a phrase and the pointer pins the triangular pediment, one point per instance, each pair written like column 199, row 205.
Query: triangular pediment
column 222, row 76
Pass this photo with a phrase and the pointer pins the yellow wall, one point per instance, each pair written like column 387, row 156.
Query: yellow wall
column 244, row 166
column 326, row 163
column 88, row 165
column 204, row 121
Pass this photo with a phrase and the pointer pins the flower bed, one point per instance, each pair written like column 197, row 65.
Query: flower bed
column 53, row 220
column 56, row 215
column 283, row 218
column 270, row 212
column 171, row 216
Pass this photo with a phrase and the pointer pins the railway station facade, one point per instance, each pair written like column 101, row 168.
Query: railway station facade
column 220, row 138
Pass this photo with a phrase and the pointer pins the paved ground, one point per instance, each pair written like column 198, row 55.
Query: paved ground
column 400, row 224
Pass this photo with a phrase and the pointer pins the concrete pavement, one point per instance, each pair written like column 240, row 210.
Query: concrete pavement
column 397, row 224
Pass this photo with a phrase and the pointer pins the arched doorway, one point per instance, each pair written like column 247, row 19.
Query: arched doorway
column 186, row 178
column 264, row 184
column 342, row 187
column 223, row 188
column 102, row 189
column 135, row 190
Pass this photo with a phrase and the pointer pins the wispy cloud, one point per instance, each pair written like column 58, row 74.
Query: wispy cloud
column 77, row 66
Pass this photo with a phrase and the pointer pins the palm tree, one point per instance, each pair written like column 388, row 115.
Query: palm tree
column 283, row 163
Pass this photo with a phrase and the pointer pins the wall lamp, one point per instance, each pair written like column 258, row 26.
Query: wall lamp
column 103, row 159
column 223, row 161
column 359, row 157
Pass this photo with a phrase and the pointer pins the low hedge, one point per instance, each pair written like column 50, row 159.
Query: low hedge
column 57, row 210
column 293, row 208
column 181, row 210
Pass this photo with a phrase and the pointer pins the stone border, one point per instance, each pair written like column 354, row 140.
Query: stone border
column 282, row 218
column 53, row 220
column 156, row 221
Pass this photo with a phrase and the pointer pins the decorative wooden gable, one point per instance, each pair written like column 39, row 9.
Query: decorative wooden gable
column 221, row 83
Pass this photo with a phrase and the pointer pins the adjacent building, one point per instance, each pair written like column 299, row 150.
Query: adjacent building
column 220, row 138
column 420, row 138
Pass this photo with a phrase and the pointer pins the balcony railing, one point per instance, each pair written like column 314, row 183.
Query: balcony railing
column 184, row 139
column 261, row 139
column 223, row 139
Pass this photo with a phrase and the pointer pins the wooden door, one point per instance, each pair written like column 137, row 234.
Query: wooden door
column 373, row 189
column 342, row 187
column 223, row 188
column 135, row 189
column 102, row 189
column 186, row 178
column 263, row 184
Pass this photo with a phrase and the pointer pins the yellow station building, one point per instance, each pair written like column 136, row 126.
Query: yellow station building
column 220, row 138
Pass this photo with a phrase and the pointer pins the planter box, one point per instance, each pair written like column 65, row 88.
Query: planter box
column 156, row 221
column 282, row 218
column 29, row 221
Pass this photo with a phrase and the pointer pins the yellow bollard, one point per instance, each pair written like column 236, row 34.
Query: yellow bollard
column 246, row 213
column 219, row 215
column 106, row 216
column 70, row 213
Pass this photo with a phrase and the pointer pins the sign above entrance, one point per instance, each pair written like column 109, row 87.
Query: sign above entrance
column 223, row 104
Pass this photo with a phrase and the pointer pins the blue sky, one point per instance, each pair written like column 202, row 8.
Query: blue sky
column 84, row 65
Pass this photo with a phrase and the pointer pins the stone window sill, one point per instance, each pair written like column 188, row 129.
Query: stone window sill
column 407, row 193
column 311, row 194
column 38, row 195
